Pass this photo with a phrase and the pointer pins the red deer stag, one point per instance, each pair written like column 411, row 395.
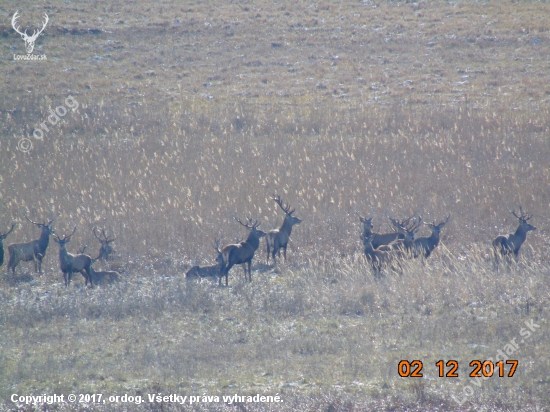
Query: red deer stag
column 378, row 239
column 2, row 237
column 73, row 263
column 243, row 252
column 407, row 228
column 105, row 250
column 505, row 245
column 278, row 238
column 213, row 271
column 424, row 246
column 34, row 250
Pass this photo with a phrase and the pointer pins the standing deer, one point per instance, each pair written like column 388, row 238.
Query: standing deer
column 377, row 258
column 407, row 228
column 105, row 249
column 423, row 246
column 73, row 263
column 278, row 238
column 2, row 237
column 34, row 250
column 505, row 245
column 378, row 239
column 213, row 271
column 242, row 252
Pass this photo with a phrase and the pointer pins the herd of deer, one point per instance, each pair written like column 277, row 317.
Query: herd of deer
column 381, row 250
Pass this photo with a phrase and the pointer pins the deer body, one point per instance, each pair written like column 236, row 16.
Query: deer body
column 2, row 237
column 241, row 253
column 105, row 276
column 505, row 245
column 70, row 263
column 213, row 271
column 35, row 250
column 424, row 246
column 377, row 258
column 378, row 239
column 278, row 238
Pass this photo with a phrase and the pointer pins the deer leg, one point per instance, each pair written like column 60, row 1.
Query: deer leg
column 249, row 271
column 284, row 251
column 268, row 249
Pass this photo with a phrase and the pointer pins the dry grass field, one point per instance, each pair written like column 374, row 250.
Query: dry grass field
column 187, row 115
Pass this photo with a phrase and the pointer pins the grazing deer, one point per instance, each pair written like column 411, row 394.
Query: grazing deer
column 213, row 271
column 423, row 246
column 378, row 239
column 73, row 263
column 278, row 238
column 105, row 276
column 34, row 250
column 505, row 245
column 105, row 249
column 2, row 237
column 377, row 258
column 243, row 252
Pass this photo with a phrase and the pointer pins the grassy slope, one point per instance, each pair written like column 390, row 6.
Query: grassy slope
column 190, row 114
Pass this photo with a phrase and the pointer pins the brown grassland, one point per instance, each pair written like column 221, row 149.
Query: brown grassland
column 193, row 113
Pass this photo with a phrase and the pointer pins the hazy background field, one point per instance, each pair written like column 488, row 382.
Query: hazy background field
column 191, row 114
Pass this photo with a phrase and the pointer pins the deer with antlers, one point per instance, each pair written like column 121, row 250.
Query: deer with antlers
column 505, row 245
column 243, row 252
column 73, row 263
column 277, row 239
column 104, row 276
column 212, row 271
column 424, row 246
column 29, row 40
column 378, row 239
column 35, row 250
column 407, row 228
column 2, row 237
column 105, row 250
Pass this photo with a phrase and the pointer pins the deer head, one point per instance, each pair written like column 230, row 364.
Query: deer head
column 65, row 240
column 29, row 40
column 46, row 227
column 286, row 208
column 523, row 218
column 106, row 249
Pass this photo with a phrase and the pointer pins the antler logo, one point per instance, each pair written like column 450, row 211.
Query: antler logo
column 29, row 40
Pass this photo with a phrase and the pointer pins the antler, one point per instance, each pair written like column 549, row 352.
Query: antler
column 285, row 208
column 36, row 223
column 7, row 233
column 254, row 225
column 105, row 238
column 524, row 216
column 66, row 236
column 216, row 244
column 444, row 221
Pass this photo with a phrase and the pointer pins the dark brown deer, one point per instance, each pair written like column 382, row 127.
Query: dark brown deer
column 424, row 246
column 104, row 276
column 505, row 245
column 243, row 252
column 277, row 239
column 73, row 263
column 105, row 249
column 35, row 250
column 378, row 239
column 378, row 259
column 213, row 271
column 407, row 228
column 2, row 237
